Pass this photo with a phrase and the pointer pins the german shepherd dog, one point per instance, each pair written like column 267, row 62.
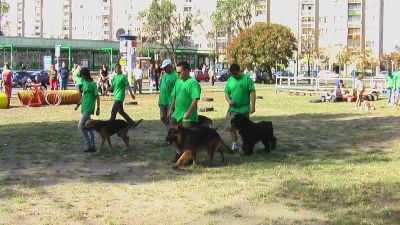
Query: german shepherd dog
column 252, row 133
column 107, row 128
column 190, row 140
column 205, row 121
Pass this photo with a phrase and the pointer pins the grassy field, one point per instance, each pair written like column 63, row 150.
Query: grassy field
column 333, row 165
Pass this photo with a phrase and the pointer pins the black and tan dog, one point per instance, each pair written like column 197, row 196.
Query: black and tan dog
column 205, row 121
column 252, row 133
column 190, row 140
column 107, row 128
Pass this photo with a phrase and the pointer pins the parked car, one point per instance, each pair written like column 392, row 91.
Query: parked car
column 261, row 77
column 284, row 74
column 43, row 75
column 223, row 75
column 326, row 74
column 20, row 77
column 1, row 75
column 199, row 75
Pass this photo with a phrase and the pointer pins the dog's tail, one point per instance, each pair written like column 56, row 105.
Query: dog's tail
column 225, row 148
column 136, row 124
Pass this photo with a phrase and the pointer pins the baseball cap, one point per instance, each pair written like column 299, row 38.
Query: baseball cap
column 165, row 63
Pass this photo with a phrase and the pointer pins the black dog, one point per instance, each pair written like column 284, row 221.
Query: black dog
column 252, row 133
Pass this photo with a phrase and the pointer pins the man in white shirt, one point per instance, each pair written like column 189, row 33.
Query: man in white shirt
column 138, row 75
column 360, row 90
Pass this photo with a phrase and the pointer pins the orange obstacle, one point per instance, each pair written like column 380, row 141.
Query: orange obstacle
column 67, row 97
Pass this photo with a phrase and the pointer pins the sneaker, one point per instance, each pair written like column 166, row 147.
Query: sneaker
column 91, row 149
column 176, row 157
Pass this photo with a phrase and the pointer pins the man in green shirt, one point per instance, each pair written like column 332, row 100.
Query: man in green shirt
column 185, row 96
column 240, row 94
column 119, row 85
column 167, row 84
column 389, row 85
column 396, row 87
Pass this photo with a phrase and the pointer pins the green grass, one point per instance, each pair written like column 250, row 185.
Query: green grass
column 333, row 165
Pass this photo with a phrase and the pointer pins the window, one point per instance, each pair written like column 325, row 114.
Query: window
column 187, row 9
column 354, row 19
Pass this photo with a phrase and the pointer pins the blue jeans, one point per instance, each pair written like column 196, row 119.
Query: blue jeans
column 88, row 135
column 63, row 83
column 389, row 94
column 396, row 95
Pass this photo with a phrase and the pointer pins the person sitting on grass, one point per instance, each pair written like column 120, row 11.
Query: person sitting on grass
column 90, row 96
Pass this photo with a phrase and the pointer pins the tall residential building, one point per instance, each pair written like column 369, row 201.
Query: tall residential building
column 21, row 18
column 39, row 18
column 67, row 19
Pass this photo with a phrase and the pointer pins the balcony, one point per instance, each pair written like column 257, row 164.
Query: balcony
column 354, row 25
column 355, row 1
column 354, row 12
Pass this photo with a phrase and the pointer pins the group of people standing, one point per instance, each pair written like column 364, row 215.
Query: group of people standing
column 180, row 93
column 59, row 79
column 393, row 88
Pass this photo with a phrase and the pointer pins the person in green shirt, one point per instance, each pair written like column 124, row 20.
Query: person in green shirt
column 396, row 87
column 120, row 84
column 240, row 94
column 185, row 95
column 167, row 84
column 389, row 82
column 76, row 76
column 90, row 97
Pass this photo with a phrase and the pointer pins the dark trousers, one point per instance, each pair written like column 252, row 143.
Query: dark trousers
column 118, row 107
column 156, row 80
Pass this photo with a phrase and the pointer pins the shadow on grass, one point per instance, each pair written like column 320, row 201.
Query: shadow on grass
column 46, row 153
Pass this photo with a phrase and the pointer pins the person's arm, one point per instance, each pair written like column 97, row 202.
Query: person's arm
column 98, row 105
column 172, row 108
column 253, row 102
column 228, row 99
column 188, row 114
column 78, row 104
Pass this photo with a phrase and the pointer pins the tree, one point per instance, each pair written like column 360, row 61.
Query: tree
column 309, row 48
column 4, row 8
column 366, row 60
column 232, row 16
column 262, row 45
column 345, row 57
column 164, row 26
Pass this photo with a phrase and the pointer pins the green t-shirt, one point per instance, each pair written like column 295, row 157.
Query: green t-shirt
column 396, row 78
column 119, row 83
column 89, row 94
column 77, row 75
column 167, row 84
column 390, row 80
column 184, row 92
column 239, row 91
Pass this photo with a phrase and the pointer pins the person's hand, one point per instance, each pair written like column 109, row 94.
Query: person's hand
column 231, row 102
column 76, row 107
column 170, row 113
column 98, row 112
column 187, row 115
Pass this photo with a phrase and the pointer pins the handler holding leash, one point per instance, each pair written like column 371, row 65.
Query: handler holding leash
column 240, row 94
column 185, row 96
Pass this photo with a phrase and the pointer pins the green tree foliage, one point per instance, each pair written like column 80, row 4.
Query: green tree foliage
column 345, row 58
column 262, row 45
column 310, row 51
column 366, row 60
column 233, row 16
column 4, row 8
column 164, row 26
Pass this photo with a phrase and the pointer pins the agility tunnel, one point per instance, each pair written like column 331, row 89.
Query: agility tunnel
column 3, row 101
column 64, row 97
